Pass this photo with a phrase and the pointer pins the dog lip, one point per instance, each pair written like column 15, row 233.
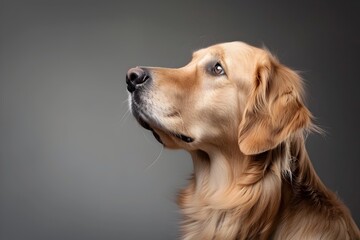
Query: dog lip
column 157, row 137
column 144, row 124
column 184, row 138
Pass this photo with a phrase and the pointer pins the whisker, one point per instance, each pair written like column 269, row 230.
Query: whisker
column 124, row 117
column 147, row 138
column 148, row 167
column 125, row 101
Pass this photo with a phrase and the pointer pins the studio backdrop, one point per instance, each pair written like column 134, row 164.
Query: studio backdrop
column 75, row 165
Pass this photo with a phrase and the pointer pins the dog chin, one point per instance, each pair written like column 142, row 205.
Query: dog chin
column 146, row 125
column 142, row 119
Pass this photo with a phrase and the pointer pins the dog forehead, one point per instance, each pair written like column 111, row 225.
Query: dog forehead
column 232, row 46
column 228, row 51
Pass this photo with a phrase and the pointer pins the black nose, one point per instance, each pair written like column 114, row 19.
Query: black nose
column 135, row 76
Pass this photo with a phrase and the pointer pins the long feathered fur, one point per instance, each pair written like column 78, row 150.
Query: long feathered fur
column 273, row 191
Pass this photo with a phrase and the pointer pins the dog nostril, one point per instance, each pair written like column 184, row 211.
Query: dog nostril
column 133, row 76
column 136, row 76
column 145, row 78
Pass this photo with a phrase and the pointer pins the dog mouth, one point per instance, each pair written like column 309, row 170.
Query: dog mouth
column 147, row 126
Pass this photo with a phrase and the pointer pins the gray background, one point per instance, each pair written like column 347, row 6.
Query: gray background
column 73, row 163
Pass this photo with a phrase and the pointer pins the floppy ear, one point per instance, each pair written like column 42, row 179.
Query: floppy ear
column 275, row 109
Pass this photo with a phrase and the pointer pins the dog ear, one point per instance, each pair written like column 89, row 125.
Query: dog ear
column 275, row 109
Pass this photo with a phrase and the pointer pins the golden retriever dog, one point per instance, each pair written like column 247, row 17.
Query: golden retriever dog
column 240, row 114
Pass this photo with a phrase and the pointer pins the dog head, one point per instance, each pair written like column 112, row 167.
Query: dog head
column 230, row 93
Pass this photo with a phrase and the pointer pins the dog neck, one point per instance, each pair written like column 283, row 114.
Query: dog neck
column 229, row 187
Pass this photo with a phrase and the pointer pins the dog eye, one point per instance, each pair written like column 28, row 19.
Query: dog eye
column 218, row 69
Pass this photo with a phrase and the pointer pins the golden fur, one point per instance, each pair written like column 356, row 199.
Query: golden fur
column 252, row 175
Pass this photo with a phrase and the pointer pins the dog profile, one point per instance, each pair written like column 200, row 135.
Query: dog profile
column 240, row 113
